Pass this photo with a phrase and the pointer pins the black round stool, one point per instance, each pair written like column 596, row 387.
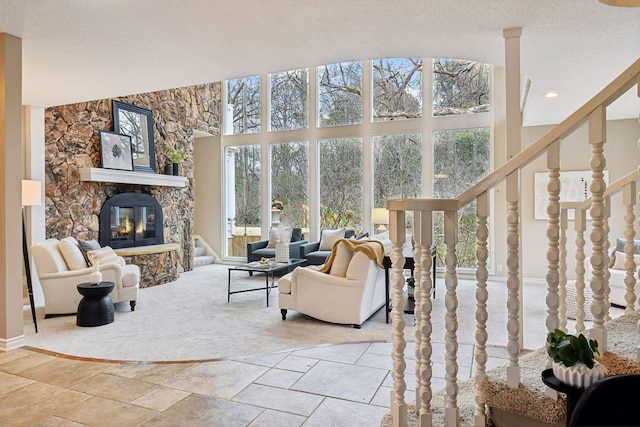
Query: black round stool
column 96, row 307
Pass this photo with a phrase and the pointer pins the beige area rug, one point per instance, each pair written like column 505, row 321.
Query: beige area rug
column 529, row 399
column 190, row 319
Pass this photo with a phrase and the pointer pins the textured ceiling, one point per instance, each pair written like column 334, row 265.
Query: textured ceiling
column 80, row 50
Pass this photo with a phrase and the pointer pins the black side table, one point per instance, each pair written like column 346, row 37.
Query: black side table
column 573, row 393
column 96, row 307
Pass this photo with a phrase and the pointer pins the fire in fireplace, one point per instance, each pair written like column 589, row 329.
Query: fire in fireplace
column 131, row 219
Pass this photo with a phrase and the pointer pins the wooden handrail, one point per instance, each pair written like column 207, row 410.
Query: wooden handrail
column 606, row 96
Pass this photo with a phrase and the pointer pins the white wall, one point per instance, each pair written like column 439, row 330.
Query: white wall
column 623, row 156
column 208, row 218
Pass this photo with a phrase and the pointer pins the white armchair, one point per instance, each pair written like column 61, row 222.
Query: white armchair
column 60, row 272
column 349, row 293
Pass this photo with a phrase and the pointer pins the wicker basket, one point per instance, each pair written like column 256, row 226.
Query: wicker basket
column 571, row 305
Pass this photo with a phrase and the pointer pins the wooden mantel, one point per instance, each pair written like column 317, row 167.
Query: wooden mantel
column 126, row 177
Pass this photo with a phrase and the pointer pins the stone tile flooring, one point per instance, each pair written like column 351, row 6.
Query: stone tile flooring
column 329, row 385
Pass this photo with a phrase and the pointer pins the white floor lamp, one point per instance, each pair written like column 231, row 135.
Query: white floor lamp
column 31, row 196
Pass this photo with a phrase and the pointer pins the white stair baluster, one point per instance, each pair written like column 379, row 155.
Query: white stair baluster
column 513, row 280
column 562, row 270
column 482, row 274
column 580, row 225
column 452, row 413
column 629, row 200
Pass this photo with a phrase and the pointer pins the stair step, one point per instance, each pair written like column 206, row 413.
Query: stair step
column 199, row 261
column 200, row 251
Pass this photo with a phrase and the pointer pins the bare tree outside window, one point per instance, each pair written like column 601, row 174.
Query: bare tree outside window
column 460, row 87
column 397, row 89
column 289, row 100
column 340, row 94
column 341, row 183
column 461, row 158
column 245, row 217
column 244, row 95
column 397, row 168
column 290, row 181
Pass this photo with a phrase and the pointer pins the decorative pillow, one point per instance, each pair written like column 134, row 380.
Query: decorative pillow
column 296, row 235
column 621, row 258
column 72, row 254
column 281, row 233
column 329, row 237
column 358, row 267
column 86, row 246
column 341, row 260
column 104, row 255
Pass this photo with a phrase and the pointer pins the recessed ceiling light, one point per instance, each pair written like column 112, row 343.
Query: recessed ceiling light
column 551, row 94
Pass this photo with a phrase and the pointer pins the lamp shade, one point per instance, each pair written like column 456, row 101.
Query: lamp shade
column 380, row 216
column 31, row 193
column 622, row 3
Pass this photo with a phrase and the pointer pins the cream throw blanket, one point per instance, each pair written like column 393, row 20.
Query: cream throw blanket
column 374, row 249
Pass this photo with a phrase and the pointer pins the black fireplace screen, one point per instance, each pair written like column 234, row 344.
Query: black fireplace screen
column 131, row 219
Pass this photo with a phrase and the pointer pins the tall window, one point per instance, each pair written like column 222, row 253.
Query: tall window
column 461, row 158
column 397, row 88
column 340, row 94
column 341, row 183
column 460, row 87
column 243, row 96
column 290, row 181
column 353, row 101
column 243, row 197
column 397, row 167
column 289, row 106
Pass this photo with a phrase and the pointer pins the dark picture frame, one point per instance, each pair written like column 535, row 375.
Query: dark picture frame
column 115, row 151
column 138, row 123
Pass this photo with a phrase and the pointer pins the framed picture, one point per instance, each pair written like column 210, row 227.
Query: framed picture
column 574, row 187
column 138, row 123
column 115, row 151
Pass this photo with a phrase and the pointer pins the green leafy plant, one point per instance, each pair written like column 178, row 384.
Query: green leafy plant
column 176, row 155
column 411, row 282
column 570, row 349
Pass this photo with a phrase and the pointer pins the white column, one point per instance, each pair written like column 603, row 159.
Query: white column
column 580, row 226
column 629, row 201
column 597, row 139
column 482, row 274
column 11, row 318
column 397, row 227
column 452, row 413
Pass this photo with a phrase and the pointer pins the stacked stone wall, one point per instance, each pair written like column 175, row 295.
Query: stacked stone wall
column 72, row 142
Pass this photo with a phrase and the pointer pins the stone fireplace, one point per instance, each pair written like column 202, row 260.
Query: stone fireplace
column 74, row 202
column 131, row 219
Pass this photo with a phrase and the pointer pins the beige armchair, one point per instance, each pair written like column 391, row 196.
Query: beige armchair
column 60, row 268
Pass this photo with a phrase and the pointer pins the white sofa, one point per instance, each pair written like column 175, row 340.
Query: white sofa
column 617, row 273
column 349, row 294
column 60, row 271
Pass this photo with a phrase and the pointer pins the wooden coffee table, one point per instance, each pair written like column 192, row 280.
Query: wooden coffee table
column 270, row 268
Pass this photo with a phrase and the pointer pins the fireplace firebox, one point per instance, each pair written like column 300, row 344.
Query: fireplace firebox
column 131, row 219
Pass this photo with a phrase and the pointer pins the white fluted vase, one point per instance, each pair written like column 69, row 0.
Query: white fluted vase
column 579, row 375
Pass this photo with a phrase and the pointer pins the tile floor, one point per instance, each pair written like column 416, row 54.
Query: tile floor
column 329, row 385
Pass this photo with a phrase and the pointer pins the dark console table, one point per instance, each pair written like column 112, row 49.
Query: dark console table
column 96, row 307
column 409, row 264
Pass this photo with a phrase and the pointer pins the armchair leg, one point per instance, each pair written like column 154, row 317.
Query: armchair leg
column 357, row 326
column 132, row 303
column 284, row 313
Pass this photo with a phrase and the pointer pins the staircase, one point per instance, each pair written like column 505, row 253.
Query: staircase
column 593, row 114
column 203, row 253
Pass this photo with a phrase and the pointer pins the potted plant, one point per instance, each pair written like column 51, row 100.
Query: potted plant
column 574, row 360
column 411, row 285
column 175, row 156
